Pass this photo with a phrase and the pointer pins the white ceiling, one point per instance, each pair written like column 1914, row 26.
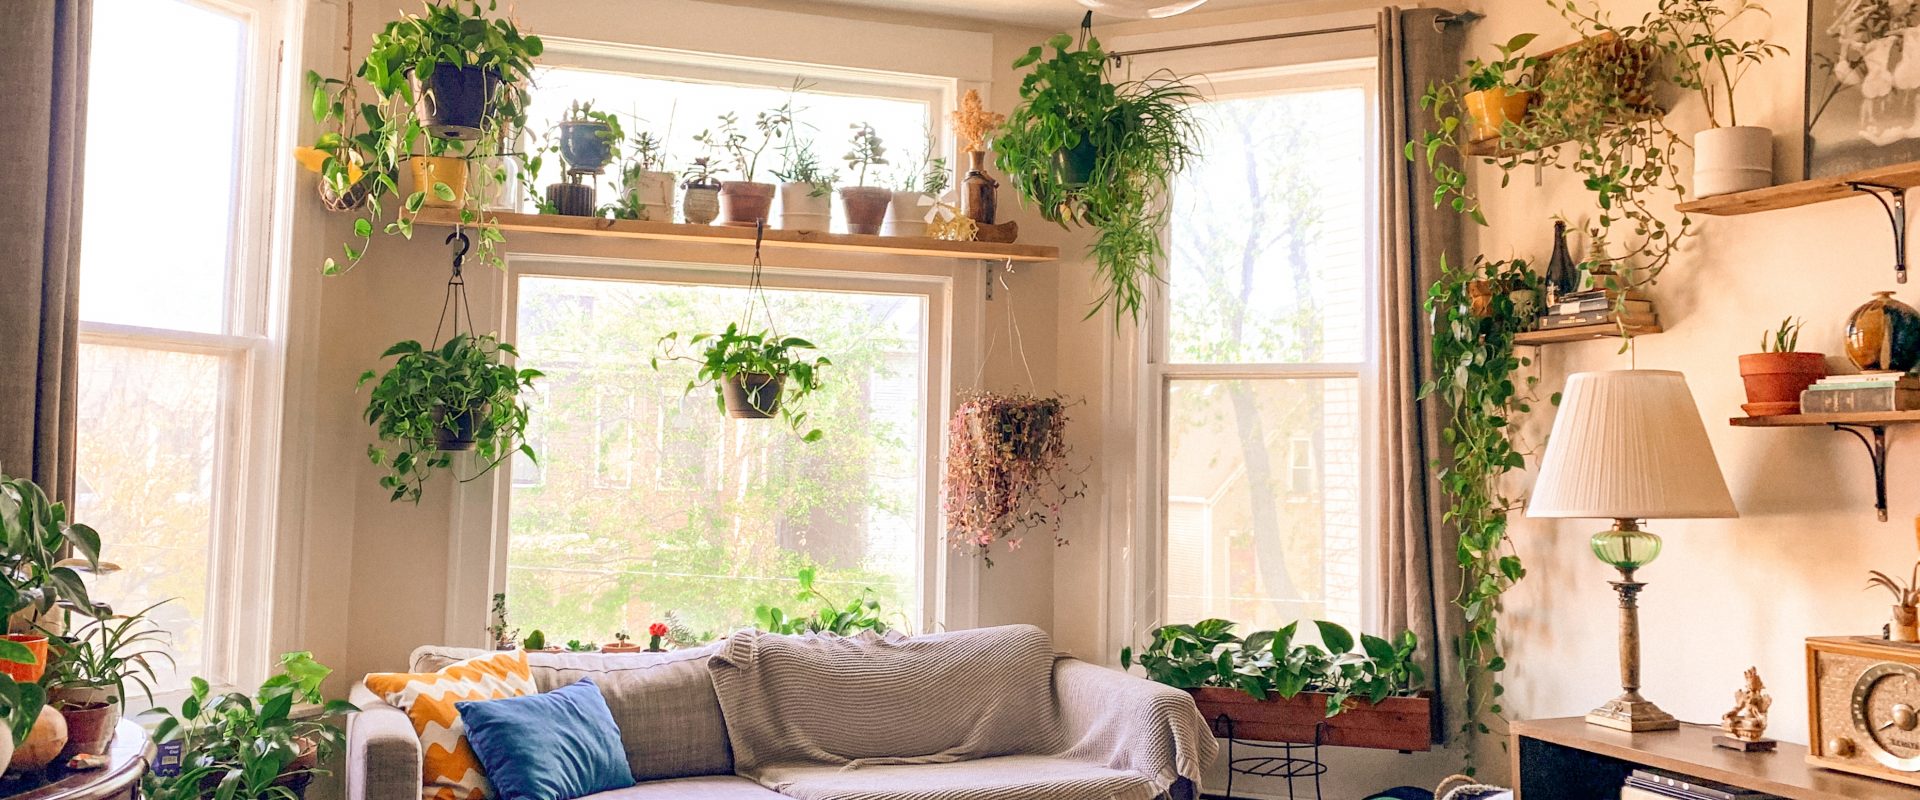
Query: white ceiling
column 1050, row 14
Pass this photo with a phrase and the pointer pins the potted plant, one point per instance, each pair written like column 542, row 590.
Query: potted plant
column 1087, row 151
column 865, row 206
column 89, row 673
column 753, row 375
column 1007, row 470
column 1730, row 157
column 861, row 613
column 622, row 643
column 37, row 580
column 456, row 397
column 1499, row 91
column 745, row 202
column 503, row 637
column 589, row 140
column 701, row 204
column 1906, row 603
column 239, row 745
column 1776, row 375
column 656, row 636
column 646, row 191
column 919, row 187
column 1276, row 690
column 806, row 189
column 448, row 73
column 536, row 642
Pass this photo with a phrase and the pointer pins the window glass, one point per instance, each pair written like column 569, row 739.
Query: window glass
column 650, row 501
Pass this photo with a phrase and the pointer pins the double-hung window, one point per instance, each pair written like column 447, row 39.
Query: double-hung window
column 1260, row 360
column 176, row 410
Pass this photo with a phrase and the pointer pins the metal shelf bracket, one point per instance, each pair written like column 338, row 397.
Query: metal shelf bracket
column 1894, row 200
column 1876, row 444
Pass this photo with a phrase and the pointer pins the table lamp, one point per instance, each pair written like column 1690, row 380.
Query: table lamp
column 1628, row 445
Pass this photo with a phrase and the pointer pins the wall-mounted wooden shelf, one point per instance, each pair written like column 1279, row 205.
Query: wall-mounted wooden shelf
column 1581, row 333
column 1870, row 427
column 1792, row 195
column 720, row 234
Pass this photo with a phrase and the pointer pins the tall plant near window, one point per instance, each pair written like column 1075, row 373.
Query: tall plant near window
column 1087, row 151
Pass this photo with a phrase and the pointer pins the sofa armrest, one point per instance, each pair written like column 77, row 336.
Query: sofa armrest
column 383, row 752
column 1127, row 722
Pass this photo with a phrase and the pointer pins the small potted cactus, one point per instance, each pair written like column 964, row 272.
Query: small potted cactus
column 656, row 636
column 622, row 643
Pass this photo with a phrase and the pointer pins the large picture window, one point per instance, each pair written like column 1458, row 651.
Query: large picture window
column 651, row 502
column 1261, row 359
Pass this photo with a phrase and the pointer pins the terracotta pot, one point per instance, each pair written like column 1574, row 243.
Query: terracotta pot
column 1906, row 624
column 752, row 395
column 1492, row 109
column 744, row 204
column 865, row 207
column 89, row 728
column 430, row 169
column 27, row 673
column 1396, row 723
column 44, row 742
column 700, row 204
column 621, row 647
column 803, row 210
column 1775, row 380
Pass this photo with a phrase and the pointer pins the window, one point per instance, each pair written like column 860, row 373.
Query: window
column 1262, row 353
column 717, row 515
column 174, row 349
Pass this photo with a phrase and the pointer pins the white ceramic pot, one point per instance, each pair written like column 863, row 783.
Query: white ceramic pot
column 907, row 215
column 1732, row 159
column 800, row 210
column 653, row 194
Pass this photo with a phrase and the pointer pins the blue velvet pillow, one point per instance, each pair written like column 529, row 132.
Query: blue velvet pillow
column 554, row 746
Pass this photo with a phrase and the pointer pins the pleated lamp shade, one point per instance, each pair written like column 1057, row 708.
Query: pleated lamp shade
column 1628, row 444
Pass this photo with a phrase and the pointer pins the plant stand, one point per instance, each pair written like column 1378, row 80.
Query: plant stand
column 1297, row 762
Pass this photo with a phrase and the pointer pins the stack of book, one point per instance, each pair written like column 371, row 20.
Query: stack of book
column 1659, row 784
column 1596, row 306
column 1867, row 391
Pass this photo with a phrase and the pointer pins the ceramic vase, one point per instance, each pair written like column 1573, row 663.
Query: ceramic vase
column 805, row 207
column 979, row 192
column 1732, row 159
column 571, row 199
column 1884, row 335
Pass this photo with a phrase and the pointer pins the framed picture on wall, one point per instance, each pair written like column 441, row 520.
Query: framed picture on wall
column 1863, row 84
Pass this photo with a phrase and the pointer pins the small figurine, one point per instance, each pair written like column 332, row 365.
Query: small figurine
column 1748, row 719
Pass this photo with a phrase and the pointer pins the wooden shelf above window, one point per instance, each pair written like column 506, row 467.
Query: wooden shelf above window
column 1808, row 192
column 720, row 234
column 1581, row 333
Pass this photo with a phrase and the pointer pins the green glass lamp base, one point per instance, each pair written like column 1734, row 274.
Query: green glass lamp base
column 1626, row 547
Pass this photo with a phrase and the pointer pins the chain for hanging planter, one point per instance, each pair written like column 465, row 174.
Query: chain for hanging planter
column 455, row 396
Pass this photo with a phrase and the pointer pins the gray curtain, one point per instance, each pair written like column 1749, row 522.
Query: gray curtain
column 43, row 76
column 1416, row 549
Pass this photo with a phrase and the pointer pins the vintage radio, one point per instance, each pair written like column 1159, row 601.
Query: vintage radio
column 1864, row 696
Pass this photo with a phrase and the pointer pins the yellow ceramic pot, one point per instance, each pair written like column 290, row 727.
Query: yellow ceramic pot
column 451, row 171
column 1492, row 109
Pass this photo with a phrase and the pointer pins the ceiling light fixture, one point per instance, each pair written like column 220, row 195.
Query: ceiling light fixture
column 1142, row 9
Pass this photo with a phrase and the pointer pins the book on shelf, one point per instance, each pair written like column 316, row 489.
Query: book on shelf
column 1600, row 304
column 1871, row 398
column 1608, row 295
column 1663, row 784
column 1552, row 321
column 1868, row 380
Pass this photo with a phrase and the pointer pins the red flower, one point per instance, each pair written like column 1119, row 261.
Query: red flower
column 657, row 629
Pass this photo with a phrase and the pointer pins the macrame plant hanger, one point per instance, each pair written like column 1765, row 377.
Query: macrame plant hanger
column 1014, row 339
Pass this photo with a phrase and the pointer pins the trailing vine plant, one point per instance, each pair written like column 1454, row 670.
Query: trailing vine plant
column 1474, row 364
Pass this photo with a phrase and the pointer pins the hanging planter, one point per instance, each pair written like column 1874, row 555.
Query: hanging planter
column 754, row 375
column 1007, row 470
column 752, row 395
column 451, row 101
column 410, row 403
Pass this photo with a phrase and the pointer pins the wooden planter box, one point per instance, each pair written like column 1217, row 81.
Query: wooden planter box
column 1396, row 723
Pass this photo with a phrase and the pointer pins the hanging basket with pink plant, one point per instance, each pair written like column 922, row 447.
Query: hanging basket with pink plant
column 1008, row 470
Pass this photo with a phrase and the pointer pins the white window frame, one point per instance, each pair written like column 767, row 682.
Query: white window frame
column 1158, row 374
column 252, row 347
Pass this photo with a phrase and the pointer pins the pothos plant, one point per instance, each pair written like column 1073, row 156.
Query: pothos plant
column 460, row 395
column 1089, row 151
column 735, row 357
column 237, row 745
column 447, row 35
column 1474, row 367
column 842, row 618
column 1208, row 653
column 1008, row 471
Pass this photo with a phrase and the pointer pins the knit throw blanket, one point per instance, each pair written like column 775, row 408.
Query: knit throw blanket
column 810, row 701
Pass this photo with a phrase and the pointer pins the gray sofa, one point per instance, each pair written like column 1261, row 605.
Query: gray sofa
column 1122, row 737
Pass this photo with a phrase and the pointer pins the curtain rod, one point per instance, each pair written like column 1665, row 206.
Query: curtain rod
column 1463, row 17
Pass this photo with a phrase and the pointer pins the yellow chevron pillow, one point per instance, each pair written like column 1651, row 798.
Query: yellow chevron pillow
column 449, row 768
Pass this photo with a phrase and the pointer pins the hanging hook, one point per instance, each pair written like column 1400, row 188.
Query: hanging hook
column 460, row 255
column 759, row 235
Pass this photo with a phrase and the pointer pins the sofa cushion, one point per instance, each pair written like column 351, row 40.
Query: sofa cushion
column 1004, row 778
column 449, row 768
column 670, row 724
column 706, row 787
column 557, row 745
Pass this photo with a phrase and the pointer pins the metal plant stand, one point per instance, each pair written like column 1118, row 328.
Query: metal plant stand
column 1297, row 762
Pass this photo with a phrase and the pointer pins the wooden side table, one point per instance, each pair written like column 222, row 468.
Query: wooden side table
column 1568, row 759
column 118, row 780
